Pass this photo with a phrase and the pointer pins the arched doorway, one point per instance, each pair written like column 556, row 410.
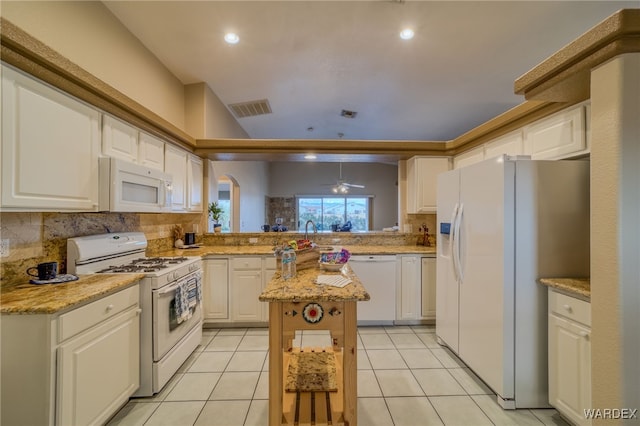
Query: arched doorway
column 228, row 192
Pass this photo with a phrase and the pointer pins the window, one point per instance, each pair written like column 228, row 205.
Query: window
column 328, row 211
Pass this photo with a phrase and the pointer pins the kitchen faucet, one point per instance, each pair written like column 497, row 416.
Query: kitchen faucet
column 306, row 229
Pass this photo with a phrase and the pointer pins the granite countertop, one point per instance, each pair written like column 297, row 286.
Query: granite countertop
column 20, row 297
column 575, row 287
column 260, row 250
column 304, row 287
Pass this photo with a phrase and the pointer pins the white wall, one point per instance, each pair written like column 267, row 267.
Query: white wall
column 311, row 178
column 207, row 117
column 87, row 34
column 253, row 179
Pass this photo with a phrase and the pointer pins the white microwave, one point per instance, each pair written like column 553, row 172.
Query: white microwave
column 130, row 187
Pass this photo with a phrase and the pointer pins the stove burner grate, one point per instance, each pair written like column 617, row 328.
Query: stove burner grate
column 145, row 264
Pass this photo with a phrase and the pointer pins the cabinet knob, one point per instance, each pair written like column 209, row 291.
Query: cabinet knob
column 568, row 308
column 584, row 334
column 110, row 308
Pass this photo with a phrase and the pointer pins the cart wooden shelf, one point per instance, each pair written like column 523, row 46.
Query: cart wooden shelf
column 301, row 304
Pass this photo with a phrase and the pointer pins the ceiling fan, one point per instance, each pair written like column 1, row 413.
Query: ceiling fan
column 342, row 187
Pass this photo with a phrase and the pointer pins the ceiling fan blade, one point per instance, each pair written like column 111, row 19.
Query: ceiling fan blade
column 353, row 185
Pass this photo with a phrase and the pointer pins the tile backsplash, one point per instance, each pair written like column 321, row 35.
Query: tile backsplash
column 40, row 237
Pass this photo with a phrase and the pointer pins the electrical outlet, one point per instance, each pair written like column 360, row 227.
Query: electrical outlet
column 253, row 240
column 4, row 247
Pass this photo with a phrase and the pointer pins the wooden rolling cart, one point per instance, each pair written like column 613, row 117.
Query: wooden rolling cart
column 313, row 385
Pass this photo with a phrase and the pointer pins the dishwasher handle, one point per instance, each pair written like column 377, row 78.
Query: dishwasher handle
column 372, row 258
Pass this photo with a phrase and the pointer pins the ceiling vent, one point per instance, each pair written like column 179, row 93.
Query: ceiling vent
column 251, row 108
column 348, row 114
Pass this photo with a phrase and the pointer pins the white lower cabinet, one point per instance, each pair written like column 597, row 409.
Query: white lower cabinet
column 246, row 288
column 77, row 368
column 99, row 370
column 269, row 264
column 569, row 356
column 416, row 294
column 409, row 279
column 428, row 276
column 232, row 287
column 216, row 289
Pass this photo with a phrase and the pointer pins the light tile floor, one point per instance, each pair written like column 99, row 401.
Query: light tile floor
column 404, row 379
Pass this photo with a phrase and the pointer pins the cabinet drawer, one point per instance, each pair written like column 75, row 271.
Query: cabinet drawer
column 89, row 315
column 240, row 263
column 570, row 307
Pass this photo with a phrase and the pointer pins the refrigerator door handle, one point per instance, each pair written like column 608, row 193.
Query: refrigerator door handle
column 452, row 244
column 456, row 253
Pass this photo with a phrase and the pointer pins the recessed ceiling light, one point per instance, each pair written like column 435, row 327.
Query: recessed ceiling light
column 407, row 34
column 231, row 38
column 310, row 157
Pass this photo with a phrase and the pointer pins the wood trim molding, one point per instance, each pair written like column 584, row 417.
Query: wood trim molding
column 566, row 75
column 327, row 149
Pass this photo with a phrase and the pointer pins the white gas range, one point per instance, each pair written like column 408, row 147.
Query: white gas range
column 170, row 326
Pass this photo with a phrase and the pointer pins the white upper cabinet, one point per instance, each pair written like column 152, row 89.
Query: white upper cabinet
column 558, row 136
column 151, row 151
column 422, row 173
column 561, row 135
column 50, row 148
column 510, row 144
column 119, row 139
column 175, row 163
column 472, row 156
column 195, row 176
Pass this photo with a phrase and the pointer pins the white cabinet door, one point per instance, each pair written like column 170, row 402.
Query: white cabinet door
column 50, row 148
column 510, row 144
column 428, row 305
column 569, row 368
column 119, row 139
column 99, row 370
column 422, row 174
column 410, row 286
column 175, row 163
column 269, row 270
column 560, row 135
column 216, row 289
column 151, row 151
column 195, row 173
column 246, row 286
column 472, row 156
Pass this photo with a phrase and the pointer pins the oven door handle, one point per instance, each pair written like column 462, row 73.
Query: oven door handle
column 169, row 290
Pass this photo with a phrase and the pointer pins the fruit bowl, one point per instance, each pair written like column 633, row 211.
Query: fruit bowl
column 335, row 267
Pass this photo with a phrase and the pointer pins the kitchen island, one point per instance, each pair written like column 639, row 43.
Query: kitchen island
column 313, row 384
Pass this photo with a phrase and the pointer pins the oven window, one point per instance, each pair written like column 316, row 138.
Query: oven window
column 173, row 318
column 138, row 193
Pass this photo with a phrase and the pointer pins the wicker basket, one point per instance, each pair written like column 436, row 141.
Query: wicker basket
column 305, row 259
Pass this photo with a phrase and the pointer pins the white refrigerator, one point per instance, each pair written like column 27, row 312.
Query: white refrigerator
column 502, row 224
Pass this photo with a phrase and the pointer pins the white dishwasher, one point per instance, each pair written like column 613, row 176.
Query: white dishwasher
column 378, row 275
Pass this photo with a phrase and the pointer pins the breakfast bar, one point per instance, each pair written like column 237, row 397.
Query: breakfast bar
column 316, row 385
